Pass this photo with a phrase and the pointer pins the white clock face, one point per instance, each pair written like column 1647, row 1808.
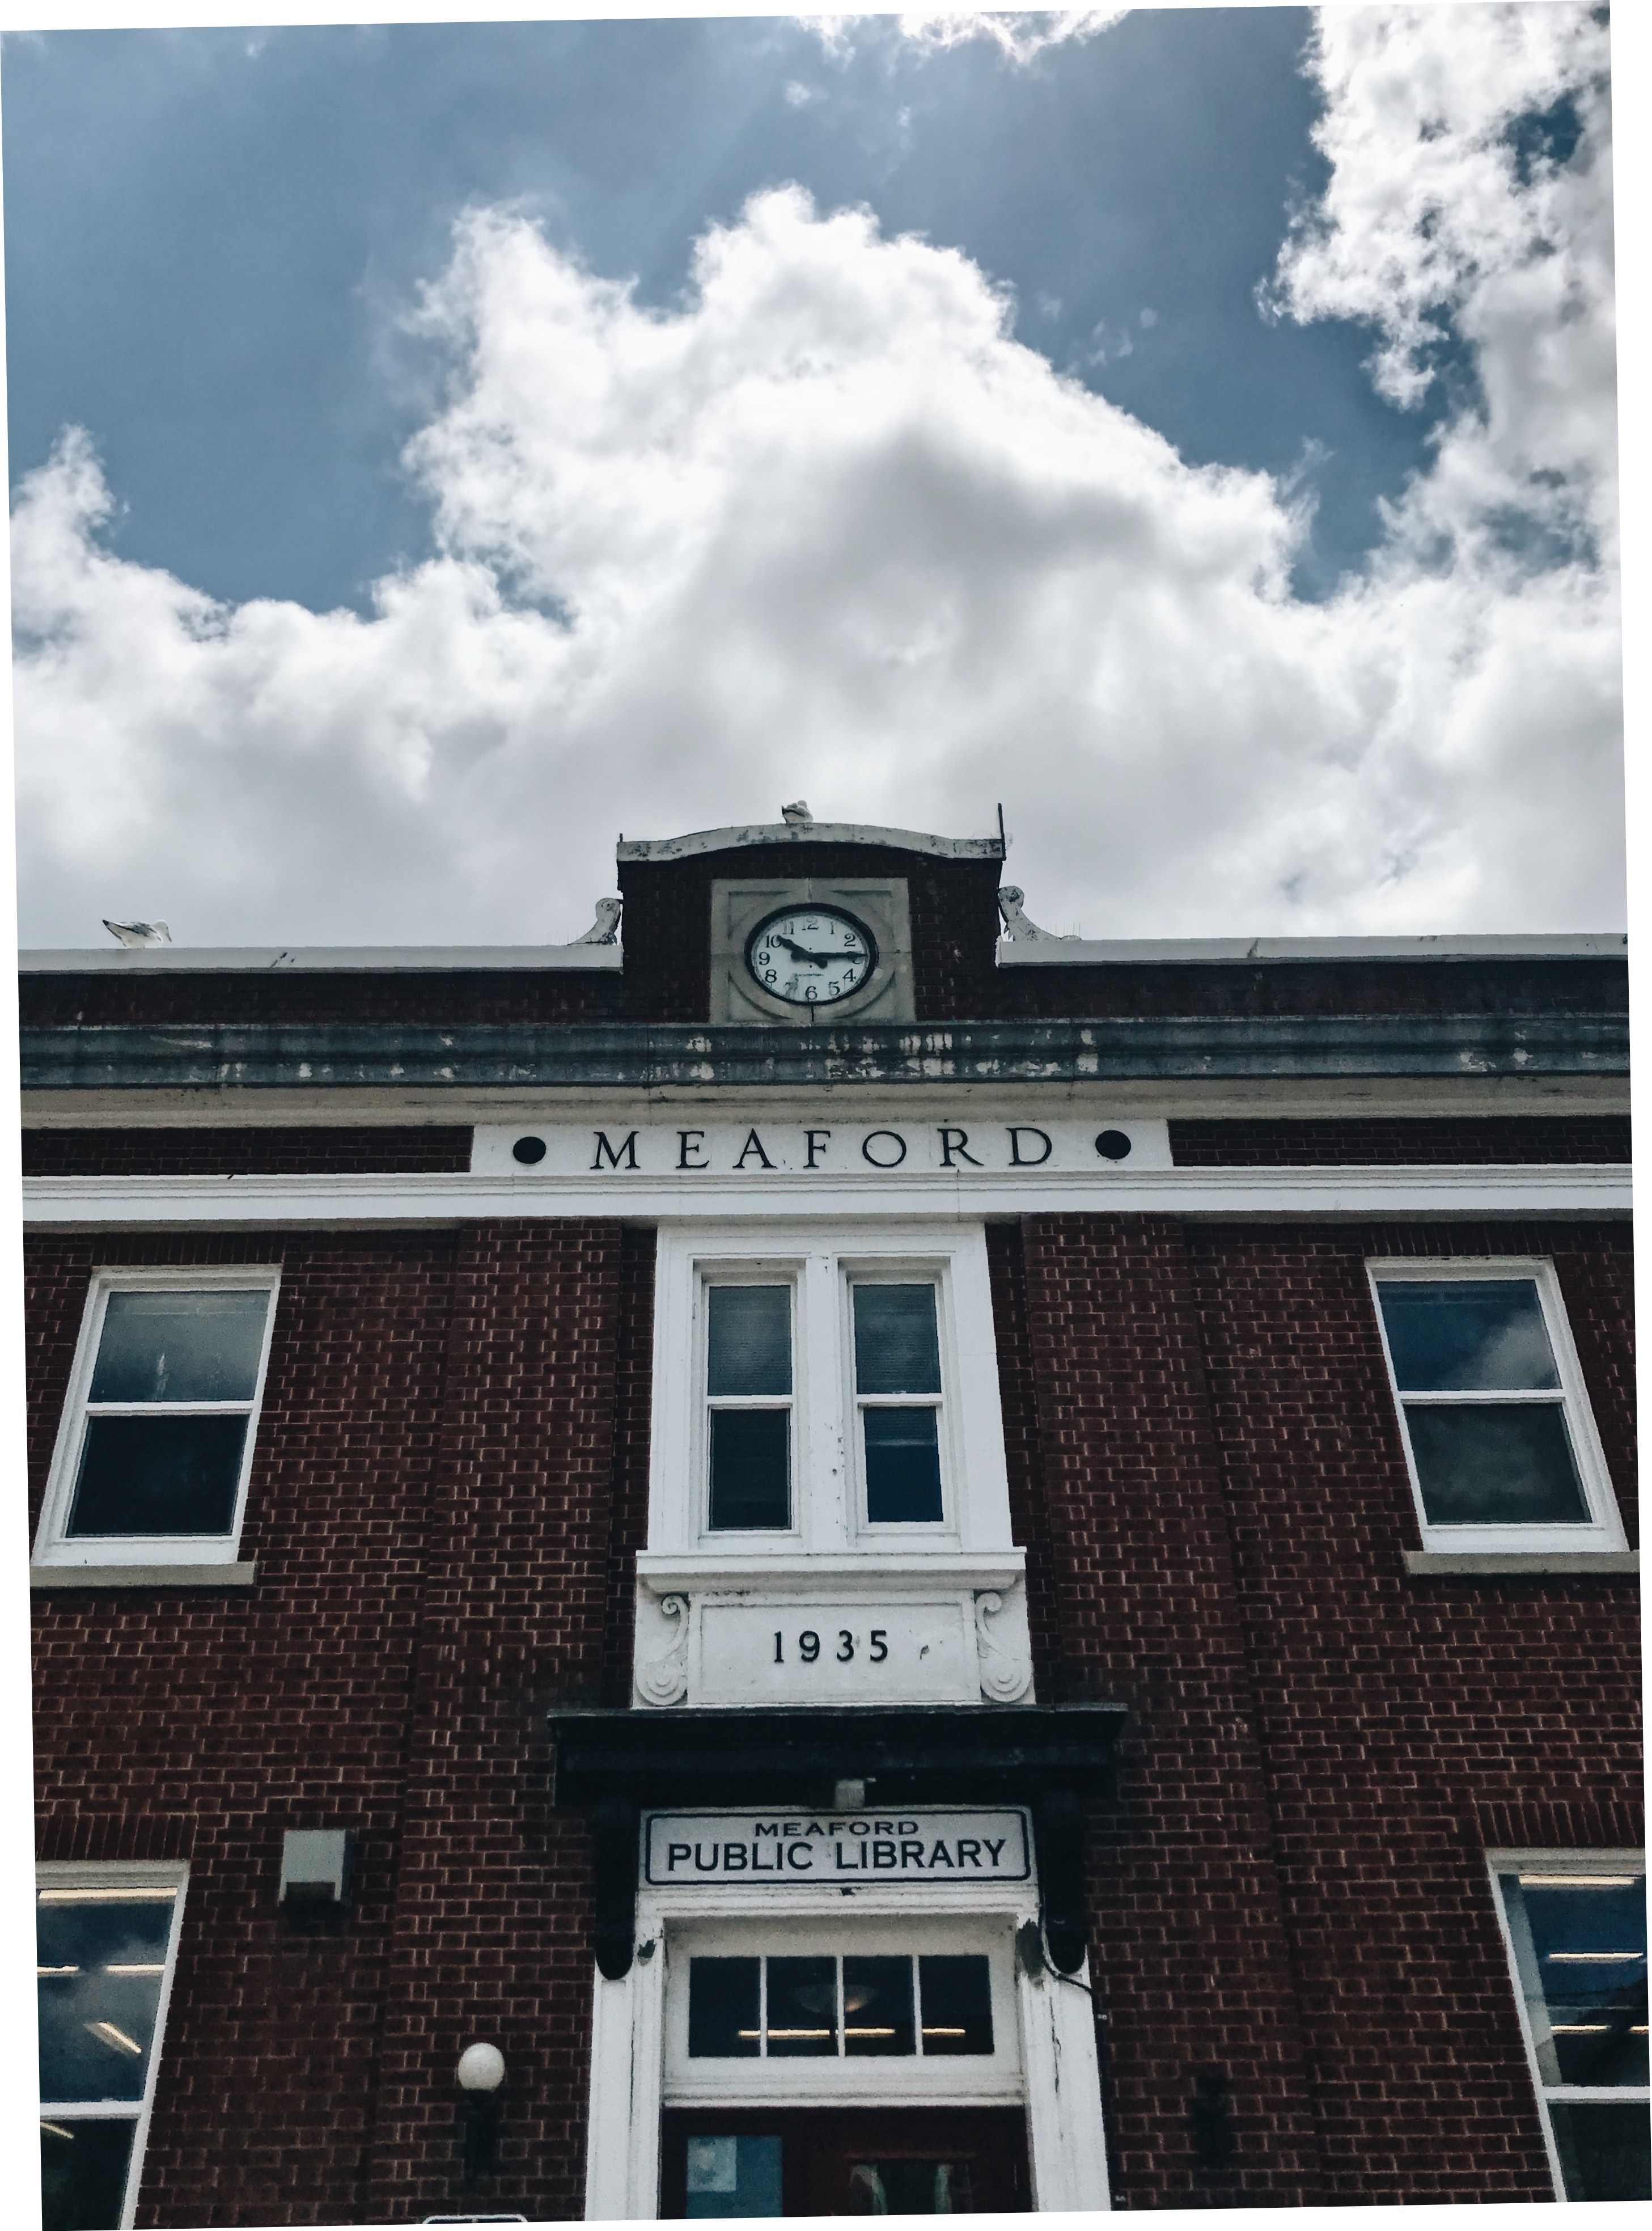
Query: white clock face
column 811, row 955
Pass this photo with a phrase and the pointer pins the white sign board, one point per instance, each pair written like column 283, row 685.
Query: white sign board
column 835, row 1146
column 777, row 1849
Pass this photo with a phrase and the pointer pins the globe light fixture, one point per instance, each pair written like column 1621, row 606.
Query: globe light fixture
column 481, row 2071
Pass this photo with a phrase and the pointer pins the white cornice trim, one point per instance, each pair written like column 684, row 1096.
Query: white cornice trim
column 443, row 1199
column 803, row 835
column 312, row 959
column 1090, row 951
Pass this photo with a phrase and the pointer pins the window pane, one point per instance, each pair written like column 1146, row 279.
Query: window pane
column 1582, row 1950
column 734, row 2175
column 956, row 1990
column 83, row 2174
column 101, row 1962
column 803, row 2006
column 1449, row 1334
column 877, row 2006
column 723, row 2011
column 903, row 1481
column 910, row 2188
column 749, row 1339
column 159, row 1474
column 896, row 1351
column 1497, row 1464
column 1603, row 2149
column 180, row 1348
column 750, row 1468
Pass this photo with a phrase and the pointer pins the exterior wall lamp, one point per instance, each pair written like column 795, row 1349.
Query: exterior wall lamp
column 481, row 2071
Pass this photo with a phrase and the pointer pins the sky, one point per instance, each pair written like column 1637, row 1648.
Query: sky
column 434, row 448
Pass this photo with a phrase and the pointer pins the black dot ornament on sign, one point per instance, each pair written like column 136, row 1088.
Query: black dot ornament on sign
column 1114, row 1145
column 529, row 1150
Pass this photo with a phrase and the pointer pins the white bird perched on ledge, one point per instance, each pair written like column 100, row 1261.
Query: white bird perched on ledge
column 139, row 933
column 796, row 815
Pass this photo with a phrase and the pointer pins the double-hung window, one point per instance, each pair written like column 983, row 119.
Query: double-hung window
column 898, row 1400
column 106, row 1937
column 1575, row 1924
column 821, row 1392
column 748, row 1407
column 155, row 1445
column 1501, row 1446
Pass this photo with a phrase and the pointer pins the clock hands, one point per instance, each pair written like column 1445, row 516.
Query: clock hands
column 819, row 960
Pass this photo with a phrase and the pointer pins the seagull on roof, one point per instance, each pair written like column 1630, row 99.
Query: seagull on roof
column 797, row 816
column 139, row 933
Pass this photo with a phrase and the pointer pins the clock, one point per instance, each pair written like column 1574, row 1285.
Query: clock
column 811, row 955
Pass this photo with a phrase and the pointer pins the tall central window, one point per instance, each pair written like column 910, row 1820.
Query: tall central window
column 748, row 1396
column 897, row 1395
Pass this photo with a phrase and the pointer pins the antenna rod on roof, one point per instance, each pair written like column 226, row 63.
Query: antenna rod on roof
column 1003, row 839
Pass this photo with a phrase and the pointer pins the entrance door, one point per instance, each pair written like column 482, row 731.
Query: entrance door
column 844, row 2161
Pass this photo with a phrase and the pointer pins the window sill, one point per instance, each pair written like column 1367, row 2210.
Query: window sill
column 168, row 1577
column 1450, row 1564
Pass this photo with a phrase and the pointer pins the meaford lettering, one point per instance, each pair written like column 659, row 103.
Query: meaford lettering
column 843, row 1149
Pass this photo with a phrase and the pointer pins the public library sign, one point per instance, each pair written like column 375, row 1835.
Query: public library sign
column 836, row 1146
column 766, row 1851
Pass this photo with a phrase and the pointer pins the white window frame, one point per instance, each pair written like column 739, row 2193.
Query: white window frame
column 119, row 1875
column 898, row 1271
column 1604, row 1529
column 1591, row 1862
column 781, row 1272
column 828, row 1486
column 841, row 2079
column 53, row 1546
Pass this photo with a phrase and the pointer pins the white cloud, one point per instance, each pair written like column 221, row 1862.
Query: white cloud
column 1020, row 35
column 827, row 529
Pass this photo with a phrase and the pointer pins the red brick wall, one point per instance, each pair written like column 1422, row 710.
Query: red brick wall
column 628, row 1521
column 429, row 1512
column 1539, row 986
column 449, row 1483
column 343, row 995
column 296, row 1149
column 1260, row 1142
column 1291, row 1885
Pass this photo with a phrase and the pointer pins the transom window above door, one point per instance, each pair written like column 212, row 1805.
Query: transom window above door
column 828, row 1396
column 881, row 2008
column 864, row 2005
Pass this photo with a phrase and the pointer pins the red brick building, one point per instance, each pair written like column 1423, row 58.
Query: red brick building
column 917, row 1569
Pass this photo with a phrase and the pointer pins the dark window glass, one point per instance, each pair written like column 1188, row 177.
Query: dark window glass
column 910, row 2188
column 1496, row 1463
column 896, row 1351
column 734, row 2175
column 803, row 2006
column 1460, row 1335
column 724, row 2014
column 180, row 1348
column 749, row 1347
column 877, row 2005
column 903, row 1481
column 163, row 1474
column 101, row 1962
column 750, row 1469
column 955, row 1991
column 1605, row 2147
column 1588, row 1956
column 83, row 2173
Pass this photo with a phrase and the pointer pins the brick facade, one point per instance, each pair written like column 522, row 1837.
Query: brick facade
column 1288, row 1901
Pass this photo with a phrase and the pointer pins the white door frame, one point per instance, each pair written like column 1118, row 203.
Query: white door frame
column 1066, row 2142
